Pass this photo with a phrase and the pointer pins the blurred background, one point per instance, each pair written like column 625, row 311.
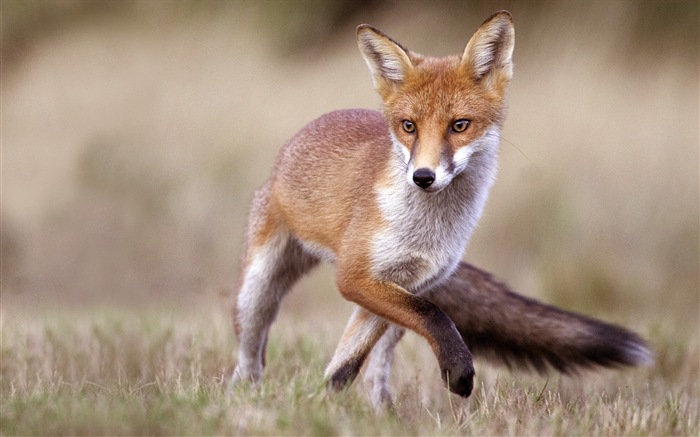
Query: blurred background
column 135, row 132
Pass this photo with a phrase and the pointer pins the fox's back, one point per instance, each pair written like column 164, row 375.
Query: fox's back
column 328, row 144
column 325, row 175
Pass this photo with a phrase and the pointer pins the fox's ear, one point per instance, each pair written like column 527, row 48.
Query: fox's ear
column 386, row 59
column 489, row 53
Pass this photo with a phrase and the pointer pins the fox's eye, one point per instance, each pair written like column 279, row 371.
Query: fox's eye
column 460, row 125
column 408, row 126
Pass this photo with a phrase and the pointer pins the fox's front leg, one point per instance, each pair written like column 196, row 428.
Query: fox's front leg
column 366, row 332
column 397, row 305
column 361, row 333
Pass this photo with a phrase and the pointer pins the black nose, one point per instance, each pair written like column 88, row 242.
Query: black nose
column 423, row 177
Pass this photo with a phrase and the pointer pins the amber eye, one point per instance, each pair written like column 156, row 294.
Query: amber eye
column 408, row 126
column 460, row 125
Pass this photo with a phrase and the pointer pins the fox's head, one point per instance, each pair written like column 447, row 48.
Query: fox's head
column 441, row 111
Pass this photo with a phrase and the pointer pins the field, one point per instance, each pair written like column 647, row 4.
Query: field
column 134, row 134
column 155, row 374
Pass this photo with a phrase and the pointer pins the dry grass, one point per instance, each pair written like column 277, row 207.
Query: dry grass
column 133, row 135
column 115, row 373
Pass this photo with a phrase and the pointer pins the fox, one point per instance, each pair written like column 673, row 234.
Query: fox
column 390, row 198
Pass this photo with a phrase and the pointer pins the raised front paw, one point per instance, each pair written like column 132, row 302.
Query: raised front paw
column 458, row 372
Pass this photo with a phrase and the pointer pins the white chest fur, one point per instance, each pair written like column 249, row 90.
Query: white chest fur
column 425, row 234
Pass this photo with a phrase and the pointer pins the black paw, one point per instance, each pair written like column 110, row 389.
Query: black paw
column 460, row 382
column 344, row 375
column 458, row 372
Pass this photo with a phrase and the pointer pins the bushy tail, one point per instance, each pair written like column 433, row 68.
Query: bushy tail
column 500, row 325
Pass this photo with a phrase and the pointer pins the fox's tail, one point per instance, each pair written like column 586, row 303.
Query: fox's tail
column 500, row 325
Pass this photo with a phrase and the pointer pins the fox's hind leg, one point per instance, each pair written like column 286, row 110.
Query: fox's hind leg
column 273, row 262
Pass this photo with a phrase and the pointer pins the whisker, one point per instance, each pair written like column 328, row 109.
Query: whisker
column 400, row 162
column 516, row 148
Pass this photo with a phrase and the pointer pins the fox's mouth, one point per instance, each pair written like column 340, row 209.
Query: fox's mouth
column 431, row 189
column 427, row 180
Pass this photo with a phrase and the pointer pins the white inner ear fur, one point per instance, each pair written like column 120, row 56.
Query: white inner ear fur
column 490, row 47
column 384, row 58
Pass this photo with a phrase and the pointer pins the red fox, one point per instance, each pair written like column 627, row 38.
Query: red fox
column 391, row 199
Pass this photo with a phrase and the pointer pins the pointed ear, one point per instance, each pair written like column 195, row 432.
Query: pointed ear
column 489, row 52
column 387, row 60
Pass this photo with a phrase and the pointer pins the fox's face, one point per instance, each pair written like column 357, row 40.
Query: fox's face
column 441, row 111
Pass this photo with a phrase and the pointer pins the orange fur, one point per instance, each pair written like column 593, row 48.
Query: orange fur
column 390, row 199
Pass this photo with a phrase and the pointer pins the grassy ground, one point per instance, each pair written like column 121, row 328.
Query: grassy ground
column 127, row 374
column 134, row 133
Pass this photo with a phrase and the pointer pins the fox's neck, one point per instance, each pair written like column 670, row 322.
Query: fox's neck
column 469, row 190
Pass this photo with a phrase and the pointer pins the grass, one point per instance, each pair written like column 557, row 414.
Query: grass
column 157, row 374
column 129, row 186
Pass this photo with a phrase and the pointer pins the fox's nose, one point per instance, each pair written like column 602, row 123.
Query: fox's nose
column 423, row 177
